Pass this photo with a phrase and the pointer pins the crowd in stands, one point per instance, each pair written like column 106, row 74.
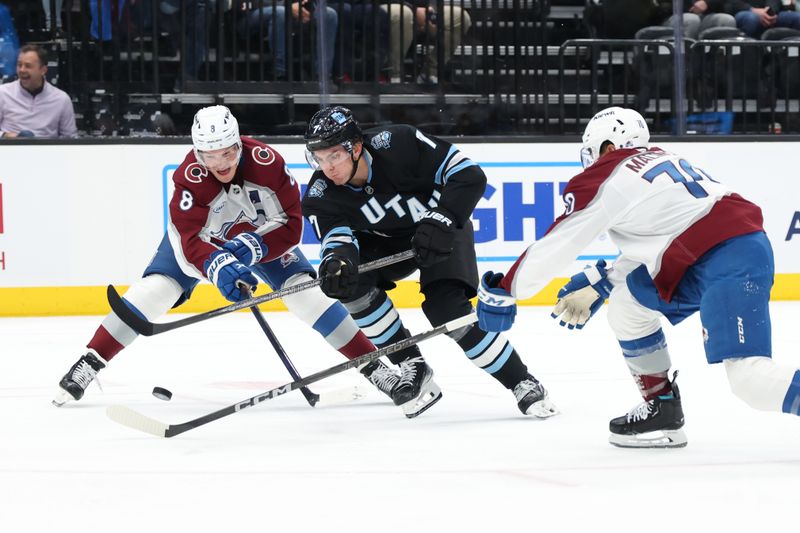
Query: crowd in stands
column 624, row 18
column 347, row 41
column 350, row 32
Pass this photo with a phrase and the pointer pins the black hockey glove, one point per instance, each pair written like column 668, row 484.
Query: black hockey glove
column 339, row 272
column 433, row 241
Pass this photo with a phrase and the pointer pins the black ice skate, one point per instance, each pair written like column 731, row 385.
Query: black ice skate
column 653, row 424
column 74, row 383
column 532, row 398
column 416, row 390
column 380, row 375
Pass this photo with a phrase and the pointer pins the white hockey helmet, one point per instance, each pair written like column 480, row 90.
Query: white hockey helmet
column 624, row 128
column 214, row 128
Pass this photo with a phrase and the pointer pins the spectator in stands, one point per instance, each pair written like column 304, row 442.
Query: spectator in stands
column 358, row 20
column 272, row 20
column 9, row 43
column 101, row 17
column 401, row 35
column 32, row 106
column 195, row 32
column 456, row 22
column 755, row 16
column 49, row 6
column 407, row 26
column 699, row 15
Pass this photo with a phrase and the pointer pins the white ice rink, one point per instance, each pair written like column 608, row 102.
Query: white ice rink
column 471, row 463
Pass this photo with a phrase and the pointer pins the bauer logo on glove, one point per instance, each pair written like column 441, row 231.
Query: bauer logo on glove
column 433, row 241
column 585, row 293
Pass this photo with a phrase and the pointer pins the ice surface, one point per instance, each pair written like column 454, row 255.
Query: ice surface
column 470, row 463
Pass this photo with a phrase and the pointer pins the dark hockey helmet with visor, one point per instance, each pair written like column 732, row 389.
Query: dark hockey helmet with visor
column 331, row 126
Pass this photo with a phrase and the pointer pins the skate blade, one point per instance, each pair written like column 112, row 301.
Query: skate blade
column 423, row 402
column 544, row 408
column 654, row 439
column 62, row 397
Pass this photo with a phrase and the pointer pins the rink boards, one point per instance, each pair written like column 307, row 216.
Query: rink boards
column 76, row 217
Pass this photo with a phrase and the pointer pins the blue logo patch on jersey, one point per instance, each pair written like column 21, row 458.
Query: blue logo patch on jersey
column 381, row 140
column 317, row 189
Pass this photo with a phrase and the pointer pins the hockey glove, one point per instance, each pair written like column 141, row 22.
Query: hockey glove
column 496, row 307
column 249, row 248
column 585, row 293
column 433, row 241
column 338, row 272
column 224, row 271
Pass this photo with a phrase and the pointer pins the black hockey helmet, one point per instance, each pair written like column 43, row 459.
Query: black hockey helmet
column 331, row 126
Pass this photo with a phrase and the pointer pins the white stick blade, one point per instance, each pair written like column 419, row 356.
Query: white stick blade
column 341, row 396
column 130, row 418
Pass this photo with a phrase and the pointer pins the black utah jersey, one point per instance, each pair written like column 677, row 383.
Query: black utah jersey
column 410, row 172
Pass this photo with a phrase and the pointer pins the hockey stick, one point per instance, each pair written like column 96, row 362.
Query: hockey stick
column 135, row 420
column 144, row 327
column 313, row 399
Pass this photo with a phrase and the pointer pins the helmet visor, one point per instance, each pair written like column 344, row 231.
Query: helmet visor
column 328, row 156
column 221, row 158
column 312, row 160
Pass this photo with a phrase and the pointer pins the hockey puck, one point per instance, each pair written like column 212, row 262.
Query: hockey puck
column 162, row 394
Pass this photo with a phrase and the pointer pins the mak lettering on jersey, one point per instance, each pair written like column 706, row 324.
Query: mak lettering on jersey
column 638, row 162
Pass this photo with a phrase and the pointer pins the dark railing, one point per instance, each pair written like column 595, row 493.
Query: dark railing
column 456, row 67
column 742, row 86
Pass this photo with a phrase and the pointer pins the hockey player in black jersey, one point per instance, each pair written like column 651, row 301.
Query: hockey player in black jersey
column 383, row 191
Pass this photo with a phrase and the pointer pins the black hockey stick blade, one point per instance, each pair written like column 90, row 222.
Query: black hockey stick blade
column 135, row 420
column 135, row 321
column 311, row 397
column 144, row 327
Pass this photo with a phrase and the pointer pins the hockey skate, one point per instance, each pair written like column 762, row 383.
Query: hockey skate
column 74, row 383
column 656, row 423
column 380, row 375
column 532, row 398
column 416, row 391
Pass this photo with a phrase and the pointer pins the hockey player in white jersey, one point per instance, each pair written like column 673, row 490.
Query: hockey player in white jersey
column 687, row 243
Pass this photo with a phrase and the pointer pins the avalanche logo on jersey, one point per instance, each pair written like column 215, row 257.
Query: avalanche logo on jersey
column 263, row 155
column 381, row 140
column 195, row 173
column 288, row 258
column 317, row 190
column 222, row 232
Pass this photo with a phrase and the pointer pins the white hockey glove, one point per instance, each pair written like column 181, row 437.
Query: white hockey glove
column 585, row 293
